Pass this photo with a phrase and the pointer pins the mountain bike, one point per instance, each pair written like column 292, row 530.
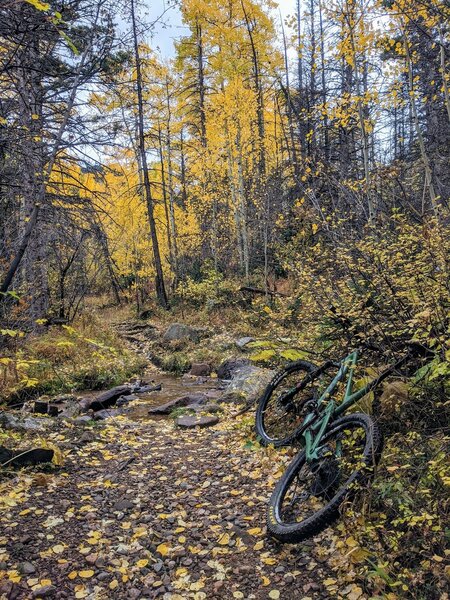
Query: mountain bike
column 340, row 452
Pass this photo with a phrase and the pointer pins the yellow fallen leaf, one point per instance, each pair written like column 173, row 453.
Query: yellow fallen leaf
column 142, row 563
column 163, row 549
column 259, row 545
column 86, row 574
column 265, row 581
column 274, row 594
column 58, row 549
column 437, row 558
column 329, row 582
column 72, row 574
column 114, row 584
column 46, row 582
column 269, row 561
column 238, row 595
column 255, row 531
column 224, row 539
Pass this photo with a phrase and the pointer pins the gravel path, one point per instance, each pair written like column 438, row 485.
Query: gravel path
column 146, row 510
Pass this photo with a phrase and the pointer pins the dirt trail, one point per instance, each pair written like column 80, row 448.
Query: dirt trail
column 144, row 510
column 140, row 509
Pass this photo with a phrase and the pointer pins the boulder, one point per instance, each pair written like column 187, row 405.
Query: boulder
column 227, row 369
column 179, row 331
column 14, row 422
column 24, row 458
column 182, row 402
column 191, row 422
column 248, row 383
column 200, row 370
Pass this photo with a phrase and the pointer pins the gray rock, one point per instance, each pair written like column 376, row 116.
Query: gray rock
column 243, row 341
column 64, row 398
column 70, row 409
column 83, row 419
column 191, row 422
column 183, row 401
column 123, row 505
column 26, row 568
column 248, row 383
column 229, row 367
column 44, row 592
column 179, row 331
column 16, row 423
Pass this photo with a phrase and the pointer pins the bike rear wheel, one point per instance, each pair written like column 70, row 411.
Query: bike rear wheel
column 308, row 496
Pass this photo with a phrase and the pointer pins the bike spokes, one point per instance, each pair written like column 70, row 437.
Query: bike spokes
column 316, row 483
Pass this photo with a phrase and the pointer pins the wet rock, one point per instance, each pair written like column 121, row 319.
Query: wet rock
column 200, row 370
column 179, row 331
column 229, row 367
column 182, row 402
column 191, row 422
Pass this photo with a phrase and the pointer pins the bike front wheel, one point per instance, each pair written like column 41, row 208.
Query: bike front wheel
column 288, row 399
column 308, row 496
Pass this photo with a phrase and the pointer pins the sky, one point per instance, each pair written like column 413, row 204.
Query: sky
column 165, row 34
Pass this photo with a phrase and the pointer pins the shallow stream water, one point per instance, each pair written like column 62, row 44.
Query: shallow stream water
column 172, row 387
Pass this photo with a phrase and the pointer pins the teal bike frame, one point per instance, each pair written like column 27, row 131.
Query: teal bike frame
column 316, row 423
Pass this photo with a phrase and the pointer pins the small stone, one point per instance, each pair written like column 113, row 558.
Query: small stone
column 123, row 505
column 91, row 558
column 45, row 591
column 191, row 422
column 103, row 576
column 26, row 568
column 157, row 567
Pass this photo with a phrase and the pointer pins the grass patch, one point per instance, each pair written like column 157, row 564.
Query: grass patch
column 87, row 355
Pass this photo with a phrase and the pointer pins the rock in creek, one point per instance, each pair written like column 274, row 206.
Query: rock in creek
column 229, row 367
column 191, row 422
column 189, row 400
column 200, row 370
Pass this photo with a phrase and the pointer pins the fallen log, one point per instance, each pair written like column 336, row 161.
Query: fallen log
column 252, row 290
